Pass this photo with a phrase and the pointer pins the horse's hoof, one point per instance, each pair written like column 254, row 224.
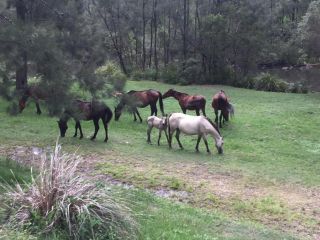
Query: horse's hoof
column 197, row 150
column 74, row 135
column 106, row 140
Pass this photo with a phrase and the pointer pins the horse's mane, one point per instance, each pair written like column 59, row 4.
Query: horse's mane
column 213, row 125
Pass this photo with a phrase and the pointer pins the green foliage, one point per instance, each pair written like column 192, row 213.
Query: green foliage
column 170, row 74
column 191, row 72
column 308, row 31
column 111, row 74
column 270, row 83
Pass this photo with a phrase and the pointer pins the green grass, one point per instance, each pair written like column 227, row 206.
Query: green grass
column 162, row 219
column 273, row 141
column 11, row 172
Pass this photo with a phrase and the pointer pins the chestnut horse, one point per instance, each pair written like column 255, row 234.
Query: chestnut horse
column 188, row 102
column 139, row 99
column 220, row 102
column 80, row 110
column 34, row 92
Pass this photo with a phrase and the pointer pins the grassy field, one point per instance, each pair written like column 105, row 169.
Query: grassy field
column 267, row 178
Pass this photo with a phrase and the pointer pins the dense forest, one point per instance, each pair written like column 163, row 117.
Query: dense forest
column 176, row 41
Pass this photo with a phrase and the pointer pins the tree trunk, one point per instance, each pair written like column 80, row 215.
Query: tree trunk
column 155, row 37
column 143, row 35
column 22, row 63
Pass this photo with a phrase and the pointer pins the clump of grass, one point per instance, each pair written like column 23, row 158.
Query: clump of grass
column 58, row 199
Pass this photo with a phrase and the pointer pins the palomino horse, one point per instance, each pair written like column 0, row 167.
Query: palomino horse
column 194, row 125
column 188, row 102
column 34, row 92
column 80, row 110
column 139, row 99
column 160, row 123
column 220, row 102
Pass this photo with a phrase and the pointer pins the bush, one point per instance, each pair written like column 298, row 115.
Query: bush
column 59, row 201
column 170, row 74
column 297, row 88
column 107, row 70
column 111, row 74
column 268, row 82
column 191, row 72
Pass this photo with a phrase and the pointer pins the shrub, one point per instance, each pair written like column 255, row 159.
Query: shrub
column 268, row 82
column 150, row 74
column 170, row 74
column 191, row 72
column 59, row 200
column 111, row 74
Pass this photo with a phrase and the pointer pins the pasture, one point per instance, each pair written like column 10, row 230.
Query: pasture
column 264, row 186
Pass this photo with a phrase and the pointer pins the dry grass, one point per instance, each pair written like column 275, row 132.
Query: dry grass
column 59, row 199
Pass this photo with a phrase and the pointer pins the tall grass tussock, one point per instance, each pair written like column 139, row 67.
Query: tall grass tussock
column 61, row 201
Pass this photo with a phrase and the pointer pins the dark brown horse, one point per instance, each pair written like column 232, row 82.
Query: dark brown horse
column 220, row 102
column 139, row 99
column 188, row 102
column 80, row 110
column 34, row 92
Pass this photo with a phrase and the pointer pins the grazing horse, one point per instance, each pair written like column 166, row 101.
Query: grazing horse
column 80, row 110
column 34, row 92
column 220, row 102
column 188, row 102
column 139, row 99
column 160, row 123
column 194, row 125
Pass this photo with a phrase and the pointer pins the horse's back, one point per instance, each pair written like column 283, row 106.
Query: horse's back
column 220, row 101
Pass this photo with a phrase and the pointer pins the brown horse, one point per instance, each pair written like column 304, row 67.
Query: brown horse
column 139, row 99
column 80, row 110
column 188, row 102
column 220, row 102
column 34, row 92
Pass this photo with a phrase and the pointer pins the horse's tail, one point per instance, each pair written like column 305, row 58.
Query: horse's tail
column 213, row 125
column 107, row 115
column 167, row 120
column 231, row 110
column 161, row 103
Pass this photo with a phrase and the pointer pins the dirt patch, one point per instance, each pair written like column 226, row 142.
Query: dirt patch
column 291, row 208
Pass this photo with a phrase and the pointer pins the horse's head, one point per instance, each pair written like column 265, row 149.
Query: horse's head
column 219, row 145
column 169, row 93
column 63, row 126
column 117, row 112
column 22, row 102
column 22, row 105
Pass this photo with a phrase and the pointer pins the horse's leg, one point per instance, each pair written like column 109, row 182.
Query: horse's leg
column 221, row 119
column 204, row 111
column 139, row 115
column 76, row 129
column 134, row 116
column 148, row 133
column 80, row 129
column 198, row 112
column 105, row 129
column 38, row 107
column 165, row 132
column 205, row 142
column 177, row 137
column 198, row 141
column 96, row 128
column 216, row 113
column 170, row 138
column 160, row 131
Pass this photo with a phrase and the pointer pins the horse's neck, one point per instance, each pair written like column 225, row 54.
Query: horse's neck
column 214, row 133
